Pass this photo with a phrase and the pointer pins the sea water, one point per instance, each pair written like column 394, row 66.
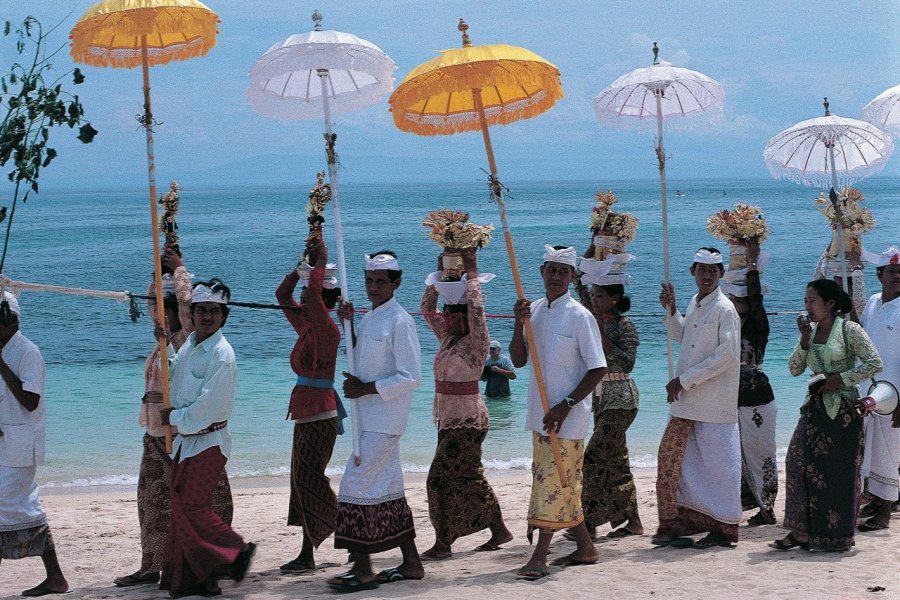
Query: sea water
column 251, row 237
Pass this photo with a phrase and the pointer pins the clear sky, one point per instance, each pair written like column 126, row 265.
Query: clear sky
column 776, row 60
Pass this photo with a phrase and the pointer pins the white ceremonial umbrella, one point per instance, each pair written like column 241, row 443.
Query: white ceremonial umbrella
column 825, row 151
column 884, row 110
column 352, row 74
column 656, row 93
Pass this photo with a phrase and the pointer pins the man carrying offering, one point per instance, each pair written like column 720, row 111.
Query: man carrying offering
column 695, row 494
column 568, row 347
column 373, row 515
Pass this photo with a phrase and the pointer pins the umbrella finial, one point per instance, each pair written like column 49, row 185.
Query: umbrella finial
column 317, row 19
column 825, row 104
column 464, row 27
column 655, row 54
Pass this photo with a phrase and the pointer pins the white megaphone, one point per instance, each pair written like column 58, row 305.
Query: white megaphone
column 882, row 398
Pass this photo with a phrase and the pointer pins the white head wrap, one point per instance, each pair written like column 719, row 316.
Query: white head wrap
column 381, row 262
column 606, row 272
column 454, row 292
column 565, row 256
column 705, row 257
column 890, row 256
column 305, row 269
column 13, row 303
column 203, row 293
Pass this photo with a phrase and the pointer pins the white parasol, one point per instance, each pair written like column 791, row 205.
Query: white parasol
column 656, row 93
column 884, row 110
column 314, row 75
column 825, row 151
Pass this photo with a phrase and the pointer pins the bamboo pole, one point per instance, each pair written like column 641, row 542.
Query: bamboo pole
column 661, row 157
column 154, row 227
column 342, row 265
column 514, row 265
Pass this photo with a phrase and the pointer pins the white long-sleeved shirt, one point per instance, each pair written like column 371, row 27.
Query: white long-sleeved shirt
column 387, row 353
column 23, row 441
column 881, row 320
column 568, row 346
column 203, row 380
column 708, row 360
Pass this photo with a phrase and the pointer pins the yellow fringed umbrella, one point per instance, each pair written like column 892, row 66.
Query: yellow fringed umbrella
column 130, row 33
column 470, row 89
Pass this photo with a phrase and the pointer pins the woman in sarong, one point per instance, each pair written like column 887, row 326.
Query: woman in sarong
column 756, row 406
column 826, row 450
column 313, row 406
column 460, row 500
column 608, row 494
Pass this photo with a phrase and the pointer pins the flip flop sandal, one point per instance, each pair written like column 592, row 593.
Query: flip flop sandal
column 570, row 561
column 531, row 574
column 760, row 519
column 487, row 547
column 349, row 583
column 393, row 575
column 136, row 579
column 675, row 542
column 872, row 524
column 241, row 564
column 712, row 541
column 788, row 542
column 296, row 566
column 621, row 533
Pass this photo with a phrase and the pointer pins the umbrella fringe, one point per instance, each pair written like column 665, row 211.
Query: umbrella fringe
column 93, row 39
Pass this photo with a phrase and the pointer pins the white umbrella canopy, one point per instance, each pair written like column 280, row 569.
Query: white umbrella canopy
column 312, row 76
column 651, row 95
column 284, row 82
column 884, row 110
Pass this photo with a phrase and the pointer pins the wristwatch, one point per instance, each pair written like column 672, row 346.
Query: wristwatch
column 571, row 402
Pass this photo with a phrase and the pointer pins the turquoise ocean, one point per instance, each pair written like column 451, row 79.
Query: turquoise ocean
column 251, row 237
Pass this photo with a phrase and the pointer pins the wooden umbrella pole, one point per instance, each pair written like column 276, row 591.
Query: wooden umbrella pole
column 514, row 265
column 154, row 227
column 661, row 157
column 342, row 265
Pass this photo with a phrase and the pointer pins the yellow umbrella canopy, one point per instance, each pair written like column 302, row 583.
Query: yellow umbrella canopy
column 437, row 97
column 113, row 33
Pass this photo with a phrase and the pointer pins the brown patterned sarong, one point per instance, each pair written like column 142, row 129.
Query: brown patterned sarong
column 372, row 528
column 822, row 476
column 608, row 495
column 460, row 500
column 22, row 543
column 313, row 504
column 200, row 545
column 674, row 519
column 153, row 502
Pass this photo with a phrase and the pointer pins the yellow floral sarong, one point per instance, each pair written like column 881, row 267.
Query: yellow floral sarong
column 553, row 507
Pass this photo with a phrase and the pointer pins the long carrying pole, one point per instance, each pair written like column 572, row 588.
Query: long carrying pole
column 661, row 157
column 513, row 263
column 154, row 227
column 342, row 265
column 839, row 216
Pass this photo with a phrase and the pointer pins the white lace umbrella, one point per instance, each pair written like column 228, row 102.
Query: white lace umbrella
column 825, row 151
column 884, row 110
column 314, row 75
column 651, row 95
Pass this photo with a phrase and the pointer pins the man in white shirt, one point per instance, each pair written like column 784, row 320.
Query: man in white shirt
column 696, row 494
column 572, row 363
column 881, row 320
column 201, row 546
column 373, row 515
column 23, row 523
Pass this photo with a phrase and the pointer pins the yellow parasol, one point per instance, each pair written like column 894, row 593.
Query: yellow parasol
column 128, row 33
column 469, row 89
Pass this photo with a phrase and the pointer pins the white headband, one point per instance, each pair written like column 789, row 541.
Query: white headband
column 565, row 256
column 381, row 262
column 705, row 257
column 13, row 303
column 891, row 256
column 203, row 293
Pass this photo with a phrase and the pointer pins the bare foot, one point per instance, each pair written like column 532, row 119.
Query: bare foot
column 436, row 552
column 48, row 587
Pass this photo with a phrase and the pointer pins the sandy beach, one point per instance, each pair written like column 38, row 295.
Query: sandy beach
column 97, row 539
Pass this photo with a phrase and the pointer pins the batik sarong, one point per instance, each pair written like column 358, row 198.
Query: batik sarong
column 460, row 499
column 154, row 510
column 608, row 495
column 552, row 506
column 882, row 457
column 759, row 471
column 23, row 522
column 698, row 480
column 200, row 544
column 822, row 475
column 373, row 515
column 313, row 505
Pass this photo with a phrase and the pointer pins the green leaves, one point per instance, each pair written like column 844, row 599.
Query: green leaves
column 86, row 134
column 77, row 76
